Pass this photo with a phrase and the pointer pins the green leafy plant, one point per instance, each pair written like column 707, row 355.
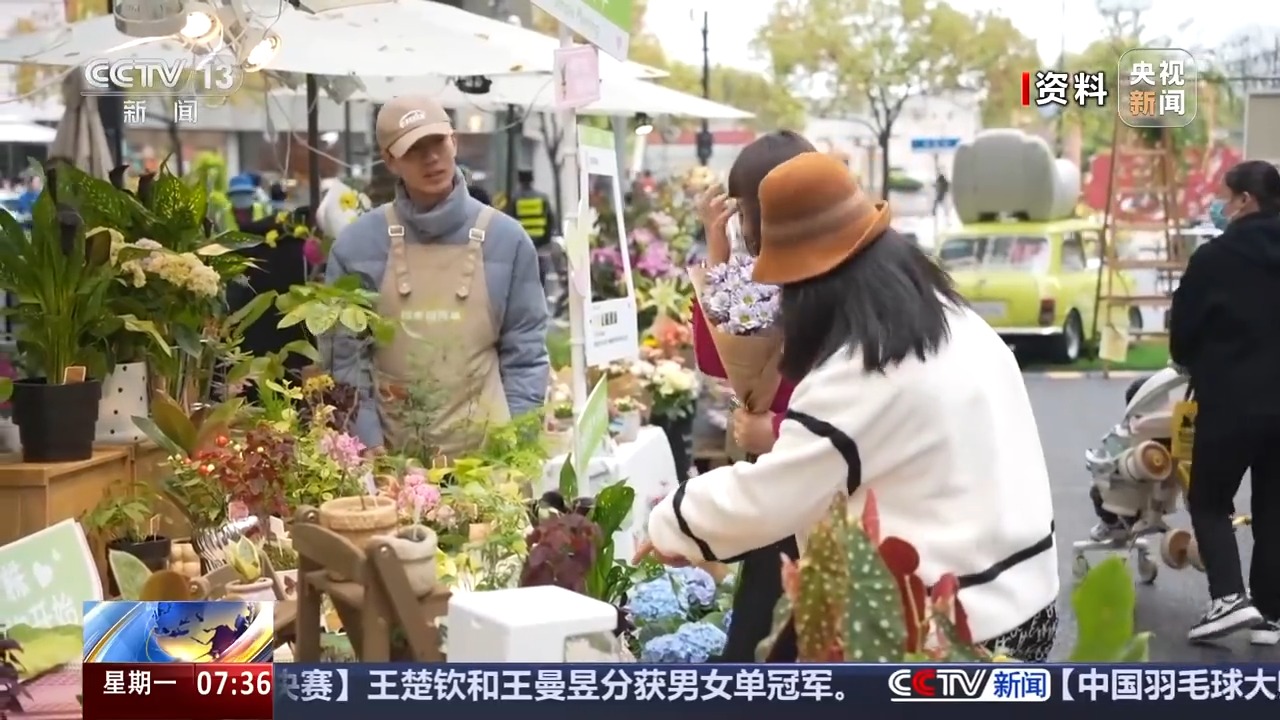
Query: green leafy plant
column 515, row 447
column 322, row 307
column 856, row 597
column 11, row 672
column 243, row 557
column 126, row 516
column 610, row 578
column 184, row 433
column 281, row 557
column 136, row 581
column 61, row 277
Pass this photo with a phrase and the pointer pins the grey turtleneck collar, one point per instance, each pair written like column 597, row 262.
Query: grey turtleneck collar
column 442, row 223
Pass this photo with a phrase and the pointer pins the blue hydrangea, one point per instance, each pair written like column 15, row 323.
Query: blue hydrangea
column 728, row 619
column 692, row 643
column 698, row 586
column 656, row 600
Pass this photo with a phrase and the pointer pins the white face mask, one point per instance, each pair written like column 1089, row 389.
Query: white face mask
column 737, row 243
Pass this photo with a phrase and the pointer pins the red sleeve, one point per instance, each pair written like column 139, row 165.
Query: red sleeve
column 704, row 348
column 780, row 403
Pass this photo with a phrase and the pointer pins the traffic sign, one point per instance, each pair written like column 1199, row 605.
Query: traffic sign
column 933, row 144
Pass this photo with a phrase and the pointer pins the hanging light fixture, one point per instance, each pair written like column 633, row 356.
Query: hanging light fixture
column 149, row 18
column 644, row 125
column 202, row 28
column 256, row 48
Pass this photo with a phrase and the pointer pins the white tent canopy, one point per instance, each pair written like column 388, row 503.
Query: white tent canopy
column 393, row 38
column 619, row 96
column 13, row 130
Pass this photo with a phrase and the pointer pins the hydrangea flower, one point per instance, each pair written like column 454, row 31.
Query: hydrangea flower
column 698, row 586
column 656, row 600
column 728, row 619
column 692, row 643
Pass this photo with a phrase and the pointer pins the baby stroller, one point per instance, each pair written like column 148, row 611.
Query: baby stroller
column 1136, row 478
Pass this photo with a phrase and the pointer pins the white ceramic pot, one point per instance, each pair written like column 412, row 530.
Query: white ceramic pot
column 415, row 547
column 559, row 442
column 124, row 396
column 259, row 590
column 630, row 426
column 10, row 442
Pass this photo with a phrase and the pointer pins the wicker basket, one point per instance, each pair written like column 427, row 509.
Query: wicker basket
column 359, row 519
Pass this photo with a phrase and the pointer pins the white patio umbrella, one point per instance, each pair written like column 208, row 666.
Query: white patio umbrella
column 80, row 137
column 618, row 96
column 389, row 38
column 15, row 130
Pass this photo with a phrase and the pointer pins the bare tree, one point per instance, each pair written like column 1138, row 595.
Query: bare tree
column 552, row 139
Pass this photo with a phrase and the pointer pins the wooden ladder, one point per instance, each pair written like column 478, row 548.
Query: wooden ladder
column 1140, row 169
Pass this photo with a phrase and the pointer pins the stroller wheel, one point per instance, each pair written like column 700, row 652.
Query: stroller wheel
column 1147, row 569
column 1080, row 567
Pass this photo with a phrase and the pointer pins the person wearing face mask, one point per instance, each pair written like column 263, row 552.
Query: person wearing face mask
column 246, row 207
column 1225, row 331
column 459, row 278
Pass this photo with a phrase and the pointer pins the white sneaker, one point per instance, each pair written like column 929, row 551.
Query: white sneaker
column 1267, row 633
column 1107, row 532
column 1225, row 616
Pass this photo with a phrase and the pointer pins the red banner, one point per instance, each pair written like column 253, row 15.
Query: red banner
column 200, row 691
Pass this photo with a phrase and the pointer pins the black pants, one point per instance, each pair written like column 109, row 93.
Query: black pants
column 1225, row 446
column 758, row 591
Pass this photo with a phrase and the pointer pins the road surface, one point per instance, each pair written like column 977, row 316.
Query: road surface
column 1071, row 415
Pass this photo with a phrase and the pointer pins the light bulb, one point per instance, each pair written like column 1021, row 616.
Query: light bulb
column 198, row 25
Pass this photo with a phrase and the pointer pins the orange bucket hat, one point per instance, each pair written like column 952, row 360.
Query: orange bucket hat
column 813, row 217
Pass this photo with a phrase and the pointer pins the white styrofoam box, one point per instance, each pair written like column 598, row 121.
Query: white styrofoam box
column 648, row 467
column 1007, row 171
column 526, row 625
column 124, row 396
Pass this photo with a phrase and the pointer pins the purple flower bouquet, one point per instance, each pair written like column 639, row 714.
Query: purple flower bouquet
column 741, row 316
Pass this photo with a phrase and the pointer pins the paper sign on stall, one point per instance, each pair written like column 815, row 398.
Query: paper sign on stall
column 611, row 333
column 46, row 577
column 605, row 23
column 577, row 74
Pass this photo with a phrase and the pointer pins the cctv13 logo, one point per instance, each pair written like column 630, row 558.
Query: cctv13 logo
column 925, row 684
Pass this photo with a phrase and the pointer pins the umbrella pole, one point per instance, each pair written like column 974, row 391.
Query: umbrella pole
column 313, row 143
column 514, row 130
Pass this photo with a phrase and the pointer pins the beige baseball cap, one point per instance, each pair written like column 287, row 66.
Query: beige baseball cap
column 407, row 119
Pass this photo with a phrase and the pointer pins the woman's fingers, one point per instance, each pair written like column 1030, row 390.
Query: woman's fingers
column 643, row 551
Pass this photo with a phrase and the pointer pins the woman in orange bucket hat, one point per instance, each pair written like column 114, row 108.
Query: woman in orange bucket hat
column 904, row 391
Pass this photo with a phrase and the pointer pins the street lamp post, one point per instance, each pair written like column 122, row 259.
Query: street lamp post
column 704, row 135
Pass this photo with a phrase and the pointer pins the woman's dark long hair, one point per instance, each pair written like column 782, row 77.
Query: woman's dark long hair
column 888, row 302
column 1258, row 178
column 754, row 162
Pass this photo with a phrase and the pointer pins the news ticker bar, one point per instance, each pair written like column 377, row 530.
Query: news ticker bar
column 627, row 691
column 178, row 691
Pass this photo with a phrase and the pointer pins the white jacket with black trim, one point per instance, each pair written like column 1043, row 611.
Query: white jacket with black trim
column 949, row 446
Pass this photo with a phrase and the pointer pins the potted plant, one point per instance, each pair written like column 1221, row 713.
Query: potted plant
column 9, row 440
column 415, row 544
column 243, row 556
column 672, row 389
column 60, row 275
column 559, row 435
column 628, row 410
column 126, row 522
column 284, row 560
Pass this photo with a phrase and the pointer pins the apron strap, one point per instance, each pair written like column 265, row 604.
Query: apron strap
column 475, row 244
column 396, row 259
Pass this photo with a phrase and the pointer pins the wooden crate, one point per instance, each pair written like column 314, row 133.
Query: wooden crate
column 34, row 496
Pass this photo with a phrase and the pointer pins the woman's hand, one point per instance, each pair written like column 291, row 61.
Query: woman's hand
column 647, row 549
column 753, row 432
column 714, row 210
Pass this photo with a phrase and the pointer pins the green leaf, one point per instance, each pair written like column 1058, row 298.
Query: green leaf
column 782, row 616
column 157, row 436
column 349, row 282
column 568, row 479
column 130, row 573
column 175, row 204
column 241, row 319
column 293, row 317
column 322, row 320
column 303, row 348
column 1104, row 604
column 188, row 340
column 146, row 327
column 354, row 319
column 173, row 422
column 613, row 504
column 6, row 389
column 229, row 242
column 217, row 421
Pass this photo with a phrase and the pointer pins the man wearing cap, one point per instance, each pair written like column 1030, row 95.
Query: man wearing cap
column 459, row 278
column 246, row 206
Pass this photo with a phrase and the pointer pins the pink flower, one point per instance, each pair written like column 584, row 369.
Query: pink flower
column 655, row 261
column 312, row 251
column 610, row 256
column 417, row 495
column 347, row 450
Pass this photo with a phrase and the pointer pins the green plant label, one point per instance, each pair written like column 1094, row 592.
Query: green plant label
column 590, row 429
column 603, row 23
column 46, row 577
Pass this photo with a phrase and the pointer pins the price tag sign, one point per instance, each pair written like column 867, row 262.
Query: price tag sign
column 1184, row 429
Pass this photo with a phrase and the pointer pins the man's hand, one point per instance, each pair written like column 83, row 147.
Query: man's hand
column 715, row 208
column 753, row 432
column 647, row 549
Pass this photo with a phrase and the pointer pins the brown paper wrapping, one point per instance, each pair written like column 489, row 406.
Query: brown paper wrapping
column 750, row 362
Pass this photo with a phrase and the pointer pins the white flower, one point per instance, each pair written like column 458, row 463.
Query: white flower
column 672, row 378
column 642, row 369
